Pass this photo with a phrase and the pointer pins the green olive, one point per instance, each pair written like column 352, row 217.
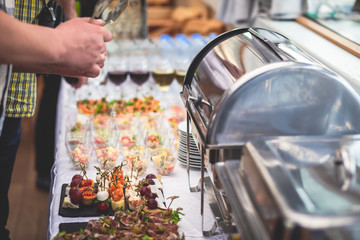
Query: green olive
column 136, row 230
column 108, row 221
column 103, row 229
column 160, row 229
column 68, row 236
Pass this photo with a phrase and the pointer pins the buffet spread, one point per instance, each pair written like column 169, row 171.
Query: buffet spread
column 116, row 173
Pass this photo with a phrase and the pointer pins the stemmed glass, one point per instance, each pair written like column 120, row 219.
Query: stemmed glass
column 163, row 73
column 117, row 72
column 164, row 157
column 136, row 156
column 72, row 81
column 137, row 159
column 78, row 145
column 139, row 66
column 161, row 146
column 180, row 76
column 106, row 142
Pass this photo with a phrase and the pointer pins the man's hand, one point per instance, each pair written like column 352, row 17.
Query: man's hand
column 75, row 48
column 82, row 46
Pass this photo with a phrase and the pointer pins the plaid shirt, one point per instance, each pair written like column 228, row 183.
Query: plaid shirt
column 5, row 69
column 21, row 97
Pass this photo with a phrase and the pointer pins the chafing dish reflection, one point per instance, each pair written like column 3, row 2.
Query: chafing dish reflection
column 295, row 188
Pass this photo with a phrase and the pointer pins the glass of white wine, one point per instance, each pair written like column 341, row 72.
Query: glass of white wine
column 163, row 73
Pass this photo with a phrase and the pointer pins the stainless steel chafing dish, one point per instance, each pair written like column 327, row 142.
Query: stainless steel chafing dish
column 295, row 188
column 254, row 82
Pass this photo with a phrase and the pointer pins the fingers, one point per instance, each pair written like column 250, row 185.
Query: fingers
column 103, row 49
column 102, row 57
column 93, row 72
column 98, row 22
column 93, row 38
column 106, row 34
column 84, row 19
column 101, row 61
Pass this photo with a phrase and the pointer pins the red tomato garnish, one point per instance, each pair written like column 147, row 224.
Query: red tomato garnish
column 102, row 206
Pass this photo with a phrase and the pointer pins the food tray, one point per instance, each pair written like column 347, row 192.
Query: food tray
column 83, row 211
column 87, row 211
column 72, row 227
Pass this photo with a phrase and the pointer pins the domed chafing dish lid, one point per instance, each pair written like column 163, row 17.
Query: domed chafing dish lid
column 285, row 98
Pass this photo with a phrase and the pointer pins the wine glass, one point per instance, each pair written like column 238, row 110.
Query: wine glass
column 78, row 145
column 139, row 69
column 129, row 134
column 117, row 72
column 72, row 81
column 108, row 156
column 163, row 73
column 164, row 158
column 180, row 76
column 153, row 141
column 137, row 160
column 105, row 133
column 135, row 152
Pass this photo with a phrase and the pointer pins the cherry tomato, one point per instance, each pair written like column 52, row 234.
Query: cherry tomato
column 116, row 198
column 102, row 206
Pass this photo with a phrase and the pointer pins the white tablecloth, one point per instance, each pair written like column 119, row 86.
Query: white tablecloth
column 175, row 184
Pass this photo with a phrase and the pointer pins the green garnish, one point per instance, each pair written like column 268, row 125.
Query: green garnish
column 113, row 101
column 60, row 234
column 146, row 237
column 99, row 107
column 175, row 216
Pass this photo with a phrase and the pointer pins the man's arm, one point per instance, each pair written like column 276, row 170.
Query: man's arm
column 21, row 42
column 75, row 48
column 69, row 8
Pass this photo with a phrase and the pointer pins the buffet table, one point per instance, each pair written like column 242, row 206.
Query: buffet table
column 175, row 184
